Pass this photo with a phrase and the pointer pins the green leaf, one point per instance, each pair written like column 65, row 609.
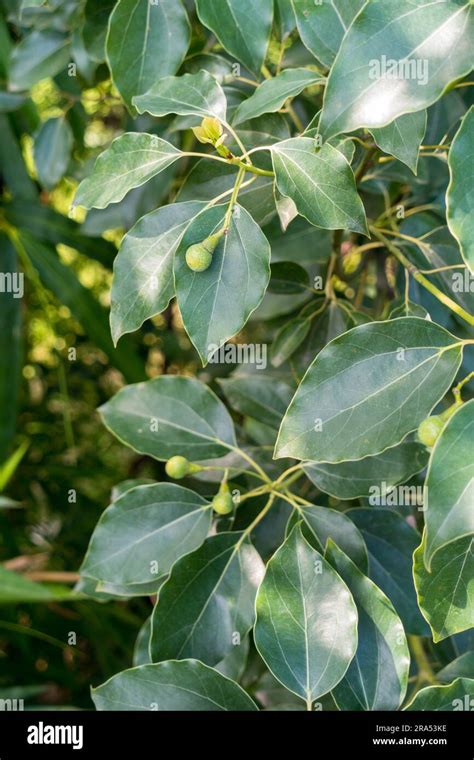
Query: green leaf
column 399, row 57
column 306, row 629
column 10, row 347
column 145, row 41
column 12, row 165
column 391, row 541
column 15, row 589
column 367, row 389
column 142, row 534
column 11, row 101
column 456, row 696
column 290, row 336
column 271, row 95
column 325, row 325
column 233, row 665
column 258, row 396
column 94, row 31
column 322, row 25
column 449, row 484
column 207, row 179
column 130, row 161
column 377, row 677
column 199, row 94
column 52, row 151
column 170, row 415
column 446, row 595
column 352, row 480
column 321, row 523
column 321, row 184
column 171, row 686
column 216, row 304
column 403, row 137
column 461, row 667
column 242, row 27
column 141, row 655
column 143, row 282
column 39, row 55
column 288, row 277
column 284, row 18
column 460, row 193
column 409, row 309
column 208, row 599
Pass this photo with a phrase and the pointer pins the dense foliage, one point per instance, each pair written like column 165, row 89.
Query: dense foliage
column 289, row 185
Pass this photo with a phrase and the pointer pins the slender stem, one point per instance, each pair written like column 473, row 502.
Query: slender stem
column 246, row 81
column 229, row 192
column 193, row 154
column 237, row 140
column 458, row 388
column 248, row 530
column 446, row 300
column 289, row 471
column 251, row 168
column 252, row 462
column 425, row 671
column 442, row 269
column 233, row 197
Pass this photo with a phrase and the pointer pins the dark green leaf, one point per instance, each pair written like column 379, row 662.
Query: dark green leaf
column 241, row 26
column 460, row 194
column 39, row 55
column 456, row 696
column 449, row 484
column 351, row 480
column 322, row 25
column 208, row 601
column 391, row 541
column 169, row 416
column 143, row 270
column 271, row 95
column 403, row 137
column 321, row 184
column 145, row 41
column 171, row 686
column 142, row 534
column 446, row 594
column 216, row 304
column 52, row 151
column 130, row 161
column 198, row 94
column 377, row 677
column 306, row 629
column 368, row 389
column 399, row 58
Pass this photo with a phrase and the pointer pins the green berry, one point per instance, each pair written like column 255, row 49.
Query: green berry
column 198, row 258
column 429, row 430
column 222, row 503
column 199, row 255
column 177, row 467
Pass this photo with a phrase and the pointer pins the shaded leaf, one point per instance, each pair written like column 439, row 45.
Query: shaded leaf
column 460, row 194
column 168, row 686
column 208, row 599
column 141, row 535
column 159, row 32
column 170, row 415
column 343, row 410
column 306, row 629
